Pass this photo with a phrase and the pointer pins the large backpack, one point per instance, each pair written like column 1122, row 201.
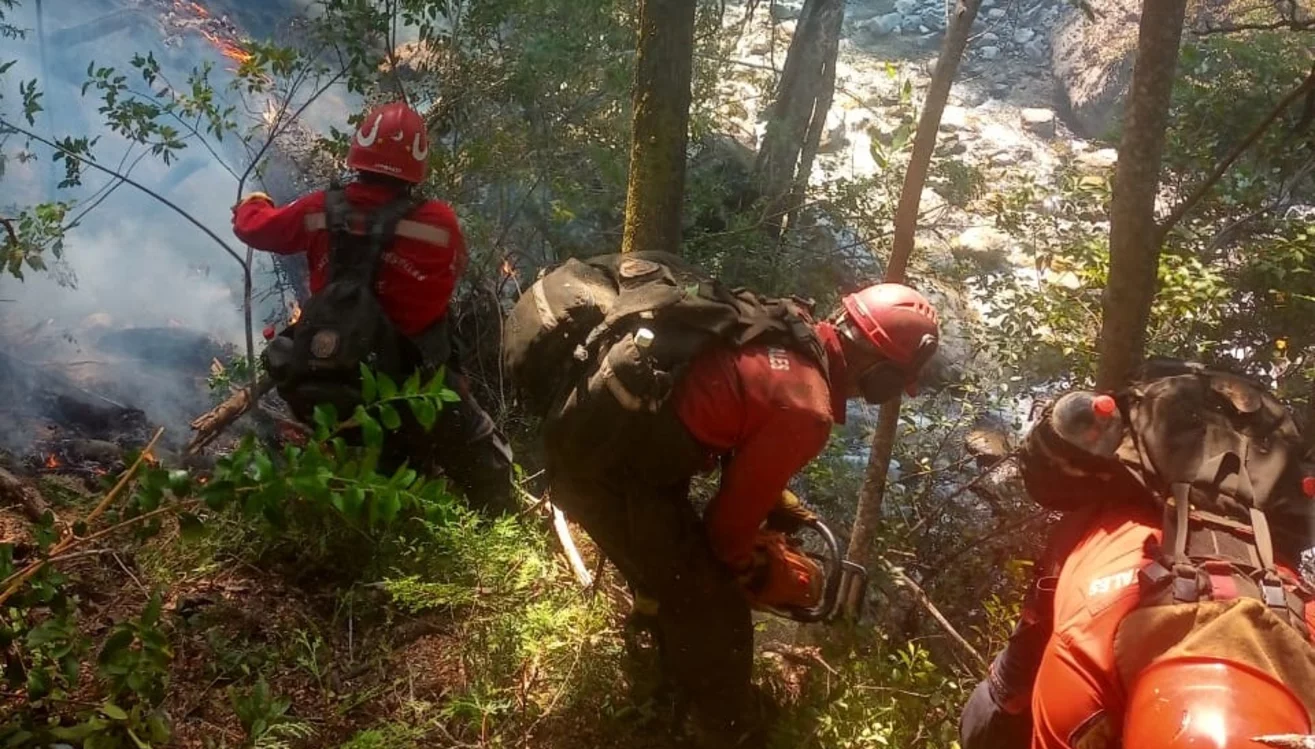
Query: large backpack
column 624, row 326
column 343, row 325
column 1222, row 459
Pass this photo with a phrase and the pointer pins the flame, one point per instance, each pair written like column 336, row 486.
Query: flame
column 508, row 270
column 226, row 48
column 53, row 461
column 294, row 313
column 98, row 471
column 200, row 11
column 149, row 457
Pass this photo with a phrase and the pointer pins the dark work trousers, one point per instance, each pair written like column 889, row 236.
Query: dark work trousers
column 998, row 714
column 464, row 443
column 625, row 476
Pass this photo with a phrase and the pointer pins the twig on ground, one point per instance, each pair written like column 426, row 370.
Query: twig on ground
column 800, row 654
column 923, row 600
column 119, row 561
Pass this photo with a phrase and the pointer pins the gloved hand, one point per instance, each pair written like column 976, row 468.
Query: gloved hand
column 250, row 197
column 789, row 514
column 779, row 576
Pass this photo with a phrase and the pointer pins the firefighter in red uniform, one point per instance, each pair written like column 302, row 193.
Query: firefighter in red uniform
column 1131, row 641
column 765, row 412
column 417, row 271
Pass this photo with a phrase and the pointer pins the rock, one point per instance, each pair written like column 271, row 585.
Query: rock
column 990, row 52
column 783, row 10
column 1039, row 121
column 833, row 140
column 1004, row 158
column 907, row 7
column 982, row 239
column 1092, row 64
column 761, row 47
column 954, row 119
column 987, row 4
column 923, row 30
column 996, row 14
column 1035, row 51
column 1096, row 161
column 990, row 38
column 1023, row 35
column 886, row 24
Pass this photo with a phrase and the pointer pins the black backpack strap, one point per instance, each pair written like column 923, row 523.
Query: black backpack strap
column 383, row 228
column 337, row 212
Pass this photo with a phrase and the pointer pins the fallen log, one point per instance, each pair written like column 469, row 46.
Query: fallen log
column 16, row 491
column 212, row 423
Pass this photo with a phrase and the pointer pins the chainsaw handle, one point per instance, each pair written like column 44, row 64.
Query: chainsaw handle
column 840, row 575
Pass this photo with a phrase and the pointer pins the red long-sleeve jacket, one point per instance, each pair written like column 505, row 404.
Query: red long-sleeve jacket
column 1079, row 695
column 421, row 267
column 770, row 410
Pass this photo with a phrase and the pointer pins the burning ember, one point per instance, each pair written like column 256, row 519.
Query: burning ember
column 53, row 462
column 220, row 32
column 294, row 313
column 508, row 270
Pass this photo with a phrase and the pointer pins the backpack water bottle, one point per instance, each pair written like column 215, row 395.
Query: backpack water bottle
column 1089, row 421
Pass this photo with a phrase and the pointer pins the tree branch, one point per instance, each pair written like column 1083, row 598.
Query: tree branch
column 872, row 493
column 6, row 124
column 923, row 600
column 1223, row 166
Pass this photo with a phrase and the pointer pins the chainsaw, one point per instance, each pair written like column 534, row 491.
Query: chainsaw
column 842, row 577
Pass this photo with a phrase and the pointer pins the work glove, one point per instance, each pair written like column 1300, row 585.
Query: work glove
column 779, row 576
column 250, row 197
column 789, row 515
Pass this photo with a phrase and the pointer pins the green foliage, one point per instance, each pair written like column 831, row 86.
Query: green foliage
column 886, row 694
column 35, row 231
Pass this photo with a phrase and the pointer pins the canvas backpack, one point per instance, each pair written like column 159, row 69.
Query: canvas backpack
column 624, row 327
column 1222, row 460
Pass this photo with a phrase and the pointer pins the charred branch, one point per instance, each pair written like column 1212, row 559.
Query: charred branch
column 14, row 490
column 212, row 423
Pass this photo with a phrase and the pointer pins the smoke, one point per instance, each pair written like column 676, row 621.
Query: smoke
column 134, row 262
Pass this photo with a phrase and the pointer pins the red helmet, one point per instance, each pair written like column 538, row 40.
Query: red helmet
column 898, row 321
column 392, row 140
column 1193, row 702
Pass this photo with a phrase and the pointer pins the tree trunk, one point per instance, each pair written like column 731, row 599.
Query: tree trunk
column 660, row 130
column 906, row 224
column 798, row 116
column 1134, row 238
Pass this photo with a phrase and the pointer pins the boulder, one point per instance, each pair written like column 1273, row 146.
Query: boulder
column 784, row 10
column 954, row 118
column 1098, row 161
column 990, row 52
column 1038, row 121
column 879, row 27
column 982, row 239
column 1023, row 35
column 1092, row 64
column 996, row 14
column 907, row 7
column 833, row 140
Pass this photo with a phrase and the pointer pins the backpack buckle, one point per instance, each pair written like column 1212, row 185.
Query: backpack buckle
column 1186, row 583
column 1271, row 589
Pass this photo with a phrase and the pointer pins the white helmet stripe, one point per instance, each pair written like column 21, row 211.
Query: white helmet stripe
column 365, row 140
column 416, row 153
